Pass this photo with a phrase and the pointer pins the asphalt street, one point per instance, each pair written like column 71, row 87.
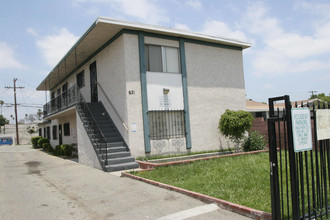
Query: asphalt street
column 35, row 185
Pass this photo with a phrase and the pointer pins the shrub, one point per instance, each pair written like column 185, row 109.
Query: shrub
column 255, row 141
column 58, row 150
column 34, row 141
column 67, row 149
column 41, row 141
column 64, row 149
column 47, row 147
column 234, row 125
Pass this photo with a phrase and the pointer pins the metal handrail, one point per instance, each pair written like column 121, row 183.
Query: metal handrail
column 64, row 100
column 106, row 96
column 95, row 126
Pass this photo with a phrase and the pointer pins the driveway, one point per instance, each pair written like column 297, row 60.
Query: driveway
column 35, row 185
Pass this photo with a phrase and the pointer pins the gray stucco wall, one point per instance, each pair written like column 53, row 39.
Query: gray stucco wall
column 215, row 83
column 134, row 101
column 111, row 76
column 86, row 152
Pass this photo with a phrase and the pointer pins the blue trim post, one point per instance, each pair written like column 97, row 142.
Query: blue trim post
column 185, row 92
column 143, row 76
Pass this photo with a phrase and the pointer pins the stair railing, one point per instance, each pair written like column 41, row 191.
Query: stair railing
column 100, row 140
column 113, row 107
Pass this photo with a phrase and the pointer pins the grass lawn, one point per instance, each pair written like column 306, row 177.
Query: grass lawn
column 240, row 179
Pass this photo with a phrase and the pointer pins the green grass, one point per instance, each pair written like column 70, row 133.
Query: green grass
column 241, row 179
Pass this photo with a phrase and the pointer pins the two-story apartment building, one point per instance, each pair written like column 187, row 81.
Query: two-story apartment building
column 129, row 89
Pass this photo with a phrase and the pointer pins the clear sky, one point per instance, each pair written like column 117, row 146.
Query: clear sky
column 290, row 53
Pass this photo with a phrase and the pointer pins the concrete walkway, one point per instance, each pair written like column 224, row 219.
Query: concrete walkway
column 35, row 185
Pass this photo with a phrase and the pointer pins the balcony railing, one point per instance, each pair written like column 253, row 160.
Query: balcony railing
column 65, row 100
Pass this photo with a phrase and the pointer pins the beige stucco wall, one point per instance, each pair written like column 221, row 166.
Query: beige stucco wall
column 111, row 77
column 67, row 116
column 215, row 83
column 134, row 101
column 86, row 152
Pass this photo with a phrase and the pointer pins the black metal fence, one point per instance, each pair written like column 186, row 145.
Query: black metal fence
column 66, row 99
column 300, row 181
column 166, row 124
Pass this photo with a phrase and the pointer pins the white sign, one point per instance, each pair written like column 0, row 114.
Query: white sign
column 323, row 124
column 133, row 127
column 164, row 91
column 301, row 129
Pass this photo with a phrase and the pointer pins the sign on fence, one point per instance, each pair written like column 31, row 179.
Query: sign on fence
column 301, row 129
column 6, row 140
column 323, row 124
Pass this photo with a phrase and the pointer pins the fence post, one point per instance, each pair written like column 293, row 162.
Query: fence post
column 292, row 160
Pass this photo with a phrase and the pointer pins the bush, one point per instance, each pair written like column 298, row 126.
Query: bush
column 58, row 150
column 47, row 147
column 42, row 141
column 255, row 141
column 64, row 149
column 234, row 124
column 34, row 141
column 67, row 149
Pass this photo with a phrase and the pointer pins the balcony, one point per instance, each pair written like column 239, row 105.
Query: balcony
column 63, row 101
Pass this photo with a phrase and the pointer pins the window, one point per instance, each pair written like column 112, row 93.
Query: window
column 48, row 132
column 162, row 59
column 166, row 124
column 66, row 127
column 54, row 132
column 81, row 79
column 44, row 132
column 40, row 132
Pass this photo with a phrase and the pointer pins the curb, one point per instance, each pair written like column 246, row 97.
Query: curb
column 239, row 209
column 150, row 165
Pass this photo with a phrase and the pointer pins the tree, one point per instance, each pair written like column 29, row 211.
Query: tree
column 3, row 121
column 31, row 130
column 39, row 114
column 1, row 103
column 234, row 124
column 322, row 97
column 31, row 118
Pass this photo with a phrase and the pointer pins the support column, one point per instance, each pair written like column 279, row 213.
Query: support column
column 143, row 77
column 185, row 92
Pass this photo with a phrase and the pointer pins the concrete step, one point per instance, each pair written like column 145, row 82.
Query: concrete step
column 120, row 160
column 115, row 144
column 119, row 154
column 122, row 166
column 113, row 139
column 114, row 149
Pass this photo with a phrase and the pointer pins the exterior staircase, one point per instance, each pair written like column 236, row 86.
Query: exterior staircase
column 109, row 145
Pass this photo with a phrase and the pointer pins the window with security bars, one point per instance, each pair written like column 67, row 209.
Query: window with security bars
column 166, row 124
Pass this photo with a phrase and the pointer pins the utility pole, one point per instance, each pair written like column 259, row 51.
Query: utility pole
column 15, row 103
column 312, row 92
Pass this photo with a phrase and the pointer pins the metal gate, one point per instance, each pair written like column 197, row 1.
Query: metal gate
column 300, row 181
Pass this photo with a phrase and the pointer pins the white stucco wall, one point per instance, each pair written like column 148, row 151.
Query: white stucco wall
column 134, row 101
column 111, row 77
column 86, row 152
column 215, row 83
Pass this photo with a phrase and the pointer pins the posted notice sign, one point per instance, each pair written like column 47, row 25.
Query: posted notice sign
column 323, row 124
column 301, row 129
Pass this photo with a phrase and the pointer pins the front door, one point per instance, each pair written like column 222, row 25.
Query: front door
column 93, row 79
column 60, row 134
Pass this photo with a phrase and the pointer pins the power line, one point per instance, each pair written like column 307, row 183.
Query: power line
column 15, row 103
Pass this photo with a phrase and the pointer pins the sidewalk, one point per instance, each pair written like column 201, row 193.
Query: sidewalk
column 35, row 185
